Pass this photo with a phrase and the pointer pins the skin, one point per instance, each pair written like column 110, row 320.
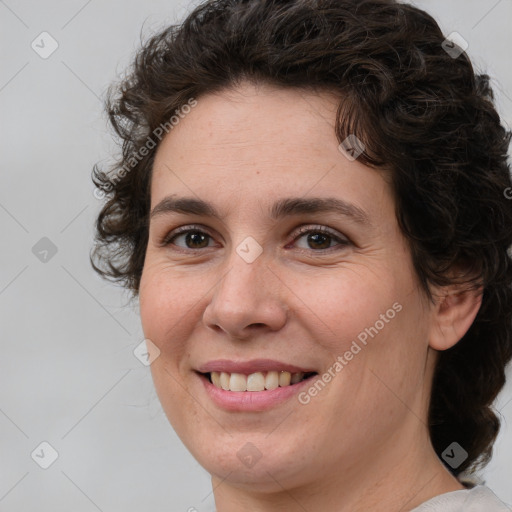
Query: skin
column 362, row 443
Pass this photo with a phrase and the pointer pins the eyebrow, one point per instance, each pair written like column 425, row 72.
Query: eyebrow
column 285, row 207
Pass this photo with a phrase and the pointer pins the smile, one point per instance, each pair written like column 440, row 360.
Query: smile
column 260, row 399
column 258, row 381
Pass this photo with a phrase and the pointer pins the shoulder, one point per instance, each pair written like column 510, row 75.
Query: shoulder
column 478, row 499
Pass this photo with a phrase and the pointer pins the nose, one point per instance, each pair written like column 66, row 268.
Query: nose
column 247, row 300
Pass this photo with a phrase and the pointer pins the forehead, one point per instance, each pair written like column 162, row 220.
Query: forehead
column 261, row 118
column 262, row 143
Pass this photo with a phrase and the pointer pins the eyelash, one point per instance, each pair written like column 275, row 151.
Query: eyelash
column 304, row 230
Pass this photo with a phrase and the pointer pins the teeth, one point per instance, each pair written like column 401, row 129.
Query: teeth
column 297, row 377
column 284, row 378
column 216, row 379
column 258, row 381
column 255, row 381
column 271, row 380
column 224, row 380
column 237, row 382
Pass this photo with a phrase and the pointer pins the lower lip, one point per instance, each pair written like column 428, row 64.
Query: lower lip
column 252, row 400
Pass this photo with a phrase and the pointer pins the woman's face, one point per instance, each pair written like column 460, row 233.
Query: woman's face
column 330, row 291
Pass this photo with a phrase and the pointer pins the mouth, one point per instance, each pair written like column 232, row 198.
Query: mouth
column 255, row 382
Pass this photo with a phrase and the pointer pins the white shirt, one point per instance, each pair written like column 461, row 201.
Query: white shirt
column 478, row 499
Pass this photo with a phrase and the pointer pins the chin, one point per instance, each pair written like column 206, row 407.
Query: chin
column 247, row 469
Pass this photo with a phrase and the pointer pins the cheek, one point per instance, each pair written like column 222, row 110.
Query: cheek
column 374, row 319
column 383, row 346
column 167, row 316
column 166, row 321
column 346, row 303
column 167, row 299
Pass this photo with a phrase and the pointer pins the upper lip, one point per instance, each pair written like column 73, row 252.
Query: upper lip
column 248, row 367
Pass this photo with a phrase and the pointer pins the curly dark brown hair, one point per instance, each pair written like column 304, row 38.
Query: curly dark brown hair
column 421, row 112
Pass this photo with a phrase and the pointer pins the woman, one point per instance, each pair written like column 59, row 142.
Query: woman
column 310, row 207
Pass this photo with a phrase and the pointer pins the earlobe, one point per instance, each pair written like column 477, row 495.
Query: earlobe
column 453, row 314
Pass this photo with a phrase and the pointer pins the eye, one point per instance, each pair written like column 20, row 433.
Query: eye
column 193, row 238
column 319, row 238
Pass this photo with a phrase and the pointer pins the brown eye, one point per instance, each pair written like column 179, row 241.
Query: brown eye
column 320, row 238
column 196, row 239
column 191, row 239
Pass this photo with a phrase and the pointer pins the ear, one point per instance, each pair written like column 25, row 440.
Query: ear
column 454, row 312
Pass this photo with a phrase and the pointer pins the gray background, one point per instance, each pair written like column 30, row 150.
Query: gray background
column 68, row 373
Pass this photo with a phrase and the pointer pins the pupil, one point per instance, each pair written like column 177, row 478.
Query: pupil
column 195, row 234
column 316, row 235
